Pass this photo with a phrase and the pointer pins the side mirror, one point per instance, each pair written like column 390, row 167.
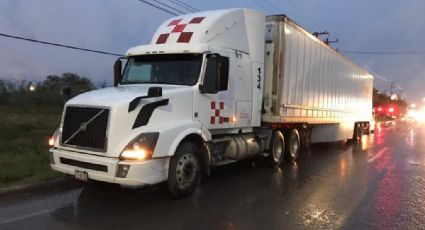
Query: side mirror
column 216, row 74
column 117, row 72
column 155, row 92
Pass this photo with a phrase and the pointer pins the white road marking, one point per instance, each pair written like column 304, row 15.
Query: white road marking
column 378, row 155
column 37, row 206
column 27, row 216
column 415, row 163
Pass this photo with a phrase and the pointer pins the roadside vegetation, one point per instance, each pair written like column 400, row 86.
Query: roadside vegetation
column 29, row 114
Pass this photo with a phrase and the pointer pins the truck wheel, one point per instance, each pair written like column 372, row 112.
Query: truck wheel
column 277, row 149
column 185, row 171
column 305, row 138
column 358, row 133
column 293, row 146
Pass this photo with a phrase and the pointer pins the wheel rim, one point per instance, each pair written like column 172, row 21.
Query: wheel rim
column 278, row 151
column 186, row 170
column 294, row 146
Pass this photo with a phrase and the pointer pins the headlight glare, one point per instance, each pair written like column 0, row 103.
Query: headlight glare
column 140, row 148
column 132, row 154
column 53, row 138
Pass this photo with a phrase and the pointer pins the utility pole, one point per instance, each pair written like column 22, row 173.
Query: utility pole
column 327, row 41
column 391, row 87
column 392, row 94
column 316, row 34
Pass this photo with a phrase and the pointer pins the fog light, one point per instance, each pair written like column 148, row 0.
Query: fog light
column 122, row 170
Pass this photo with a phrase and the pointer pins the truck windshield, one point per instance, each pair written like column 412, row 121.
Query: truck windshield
column 175, row 69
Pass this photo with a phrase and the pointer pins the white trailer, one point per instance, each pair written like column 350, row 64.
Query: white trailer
column 308, row 82
column 212, row 88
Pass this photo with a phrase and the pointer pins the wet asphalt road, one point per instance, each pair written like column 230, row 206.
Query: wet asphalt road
column 378, row 185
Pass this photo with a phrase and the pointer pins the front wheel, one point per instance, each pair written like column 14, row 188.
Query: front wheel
column 184, row 172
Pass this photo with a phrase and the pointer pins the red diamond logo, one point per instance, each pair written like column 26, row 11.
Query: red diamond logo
column 196, row 20
column 162, row 38
column 174, row 22
column 178, row 28
column 185, row 37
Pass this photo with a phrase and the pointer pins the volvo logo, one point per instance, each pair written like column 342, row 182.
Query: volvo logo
column 83, row 127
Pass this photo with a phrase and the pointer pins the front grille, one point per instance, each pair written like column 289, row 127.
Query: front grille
column 83, row 164
column 85, row 128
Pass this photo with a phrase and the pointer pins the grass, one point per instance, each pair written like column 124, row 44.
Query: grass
column 24, row 134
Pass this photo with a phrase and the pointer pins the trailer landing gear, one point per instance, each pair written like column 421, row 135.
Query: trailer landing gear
column 358, row 133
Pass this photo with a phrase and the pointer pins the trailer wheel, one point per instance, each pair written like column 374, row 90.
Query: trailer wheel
column 185, row 171
column 277, row 149
column 293, row 146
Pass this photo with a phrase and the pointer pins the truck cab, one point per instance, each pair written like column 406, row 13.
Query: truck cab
column 199, row 80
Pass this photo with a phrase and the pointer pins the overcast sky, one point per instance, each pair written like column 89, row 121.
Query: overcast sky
column 116, row 25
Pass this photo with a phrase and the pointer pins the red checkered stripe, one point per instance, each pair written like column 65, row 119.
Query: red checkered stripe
column 217, row 117
column 178, row 27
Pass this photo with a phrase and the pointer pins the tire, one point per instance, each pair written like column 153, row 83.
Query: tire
column 184, row 173
column 305, row 139
column 293, row 146
column 276, row 149
column 358, row 133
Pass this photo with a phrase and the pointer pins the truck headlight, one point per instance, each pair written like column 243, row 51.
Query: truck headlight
column 140, row 148
column 53, row 138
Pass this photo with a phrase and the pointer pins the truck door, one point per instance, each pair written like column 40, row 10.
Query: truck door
column 225, row 81
column 214, row 101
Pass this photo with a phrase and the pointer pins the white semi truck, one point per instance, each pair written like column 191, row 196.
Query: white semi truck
column 212, row 88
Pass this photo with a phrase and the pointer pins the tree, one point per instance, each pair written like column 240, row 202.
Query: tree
column 383, row 100
column 54, row 83
column 3, row 87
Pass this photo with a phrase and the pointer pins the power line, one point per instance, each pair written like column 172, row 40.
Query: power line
column 307, row 16
column 170, row 7
column 378, row 76
column 59, row 45
column 158, row 7
column 181, row 2
column 375, row 74
column 272, row 5
column 91, row 50
column 302, row 13
column 182, row 6
column 264, row 7
column 384, row 52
